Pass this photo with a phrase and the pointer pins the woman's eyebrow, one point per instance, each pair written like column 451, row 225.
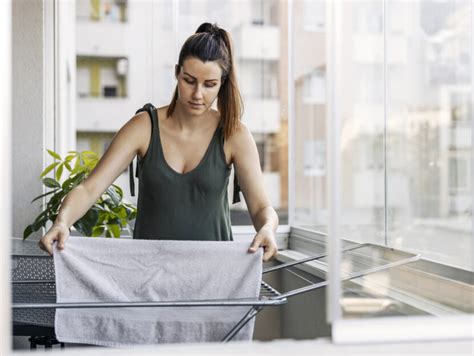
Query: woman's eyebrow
column 207, row 80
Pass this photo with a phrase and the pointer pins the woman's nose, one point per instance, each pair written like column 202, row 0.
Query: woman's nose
column 197, row 94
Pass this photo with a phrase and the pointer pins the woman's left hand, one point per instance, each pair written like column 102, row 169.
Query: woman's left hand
column 265, row 238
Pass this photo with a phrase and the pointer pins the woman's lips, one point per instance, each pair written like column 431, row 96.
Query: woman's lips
column 194, row 105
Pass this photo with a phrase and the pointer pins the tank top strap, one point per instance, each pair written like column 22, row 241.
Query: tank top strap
column 151, row 110
column 154, row 120
column 237, row 190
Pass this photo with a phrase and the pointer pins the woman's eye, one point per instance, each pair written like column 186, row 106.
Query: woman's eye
column 192, row 82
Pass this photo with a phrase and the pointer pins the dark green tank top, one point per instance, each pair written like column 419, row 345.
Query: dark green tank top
column 189, row 206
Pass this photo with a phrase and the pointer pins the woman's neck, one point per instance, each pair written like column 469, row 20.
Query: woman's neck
column 189, row 123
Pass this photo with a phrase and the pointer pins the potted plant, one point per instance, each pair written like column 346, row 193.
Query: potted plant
column 108, row 217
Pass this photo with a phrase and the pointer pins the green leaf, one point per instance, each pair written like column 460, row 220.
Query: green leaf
column 68, row 166
column 131, row 211
column 43, row 195
column 59, row 172
column 54, row 155
column 28, row 231
column 85, row 224
column 70, row 157
column 114, row 229
column 113, row 195
column 51, row 183
column 40, row 223
column 70, row 183
column 89, row 154
column 122, row 212
column 40, row 220
column 98, row 230
column 118, row 190
column 90, row 159
column 56, row 198
column 80, row 228
column 78, row 169
column 102, row 216
column 41, row 215
column 48, row 169
column 77, row 164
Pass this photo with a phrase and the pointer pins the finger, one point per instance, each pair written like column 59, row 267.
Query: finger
column 267, row 255
column 270, row 252
column 46, row 244
column 255, row 244
column 41, row 246
column 62, row 240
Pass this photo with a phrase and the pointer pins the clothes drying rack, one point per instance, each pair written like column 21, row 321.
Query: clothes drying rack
column 34, row 293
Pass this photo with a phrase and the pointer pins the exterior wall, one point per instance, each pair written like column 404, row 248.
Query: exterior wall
column 29, row 123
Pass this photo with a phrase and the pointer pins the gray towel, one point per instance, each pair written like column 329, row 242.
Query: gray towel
column 121, row 270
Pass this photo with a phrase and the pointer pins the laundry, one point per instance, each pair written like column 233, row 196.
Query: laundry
column 123, row 270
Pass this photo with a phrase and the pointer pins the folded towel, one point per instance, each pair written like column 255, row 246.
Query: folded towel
column 122, row 270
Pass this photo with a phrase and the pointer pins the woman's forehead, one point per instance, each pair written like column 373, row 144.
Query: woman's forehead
column 210, row 70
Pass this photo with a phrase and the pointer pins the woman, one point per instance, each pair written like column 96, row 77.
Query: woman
column 185, row 153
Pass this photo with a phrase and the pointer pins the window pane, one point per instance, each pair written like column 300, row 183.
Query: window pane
column 406, row 151
column 362, row 123
column 309, row 74
column 429, row 125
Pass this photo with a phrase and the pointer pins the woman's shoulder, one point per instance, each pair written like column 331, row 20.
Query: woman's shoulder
column 138, row 128
column 241, row 132
column 240, row 138
column 162, row 111
column 142, row 120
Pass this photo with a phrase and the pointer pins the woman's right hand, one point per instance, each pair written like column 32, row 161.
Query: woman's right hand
column 58, row 233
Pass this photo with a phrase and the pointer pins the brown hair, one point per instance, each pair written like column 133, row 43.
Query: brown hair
column 211, row 43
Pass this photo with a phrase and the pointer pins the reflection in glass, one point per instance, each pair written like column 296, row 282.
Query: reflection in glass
column 406, row 150
column 406, row 153
column 429, row 125
column 309, row 72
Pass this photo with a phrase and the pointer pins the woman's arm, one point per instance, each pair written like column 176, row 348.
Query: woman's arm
column 123, row 148
column 247, row 166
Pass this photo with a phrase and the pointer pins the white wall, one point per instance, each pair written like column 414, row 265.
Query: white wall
column 28, row 125
column 5, row 177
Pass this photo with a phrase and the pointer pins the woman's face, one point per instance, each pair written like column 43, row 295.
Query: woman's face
column 198, row 85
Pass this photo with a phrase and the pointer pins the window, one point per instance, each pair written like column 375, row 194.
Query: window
column 404, row 150
column 315, row 87
column 101, row 76
column 461, row 107
column 314, row 15
column 459, row 175
column 102, row 10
